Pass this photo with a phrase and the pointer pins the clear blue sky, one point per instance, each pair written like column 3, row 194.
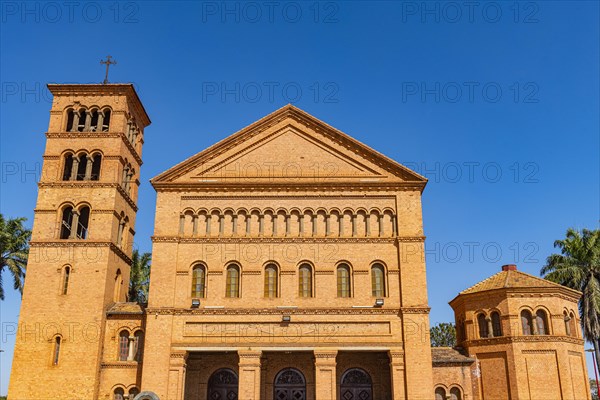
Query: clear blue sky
column 498, row 105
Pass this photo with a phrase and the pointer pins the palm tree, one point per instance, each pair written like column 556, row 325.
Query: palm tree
column 139, row 280
column 14, row 248
column 578, row 267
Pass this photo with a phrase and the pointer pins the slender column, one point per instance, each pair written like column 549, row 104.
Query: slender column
column 301, row 227
column 535, row 325
column 234, row 219
column 249, row 375
column 314, row 224
column 100, row 121
column 394, row 227
column 567, row 325
column 287, row 224
column 181, row 224
column 327, row 224
column 261, row 224
column 275, row 218
column 75, row 126
column 397, row 374
column 368, row 223
column 129, row 130
column 131, row 355
column 88, row 167
column 248, row 221
column 341, row 224
column 221, row 224
column 74, row 225
column 325, row 374
column 208, row 223
column 381, row 225
column 88, row 121
column 353, row 216
column 74, row 168
column 194, row 225
column 490, row 327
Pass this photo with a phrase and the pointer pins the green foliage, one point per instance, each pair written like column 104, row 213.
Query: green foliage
column 443, row 335
column 578, row 267
column 14, row 249
column 139, row 281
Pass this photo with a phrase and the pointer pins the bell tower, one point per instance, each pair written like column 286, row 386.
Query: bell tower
column 82, row 239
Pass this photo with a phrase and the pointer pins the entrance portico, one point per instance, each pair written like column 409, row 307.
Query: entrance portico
column 287, row 374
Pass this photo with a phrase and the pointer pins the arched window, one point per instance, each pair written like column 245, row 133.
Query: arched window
column 94, row 121
column 271, row 281
column 118, row 284
column 567, row 321
column 97, row 162
column 455, row 394
column 70, row 117
column 106, row 120
column 343, row 281
column 82, row 225
column 133, row 392
column 541, row 321
column 573, row 324
column 56, row 350
column 496, row 325
column 198, row 281
column 123, row 345
column 66, row 223
column 223, row 384
column 139, row 345
column 233, row 281
column 289, row 384
column 119, row 394
column 377, row 280
column 65, row 279
column 527, row 322
column 81, row 167
column 440, row 393
column 305, row 285
column 83, row 116
column 68, row 169
column 483, row 326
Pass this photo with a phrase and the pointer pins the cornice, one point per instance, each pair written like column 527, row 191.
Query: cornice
column 523, row 339
column 279, row 197
column 259, row 239
column 209, row 187
column 272, row 311
column 81, row 243
column 120, row 365
column 415, row 310
column 90, row 184
column 98, row 135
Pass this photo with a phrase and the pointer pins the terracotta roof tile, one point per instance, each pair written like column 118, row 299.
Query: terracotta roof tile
column 511, row 279
column 448, row 355
column 125, row 308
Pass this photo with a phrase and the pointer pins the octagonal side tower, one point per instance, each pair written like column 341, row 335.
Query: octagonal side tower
column 525, row 334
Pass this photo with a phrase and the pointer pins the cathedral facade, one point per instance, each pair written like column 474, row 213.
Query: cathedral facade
column 288, row 263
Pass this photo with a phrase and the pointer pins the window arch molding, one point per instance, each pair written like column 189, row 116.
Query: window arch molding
column 526, row 316
column 379, row 265
column 233, row 284
column 198, row 273
column 541, row 318
column 272, row 275
column 57, row 341
column 481, row 316
column 344, row 278
column 306, row 279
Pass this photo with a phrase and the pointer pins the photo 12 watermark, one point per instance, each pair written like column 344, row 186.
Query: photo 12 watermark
column 270, row 92
column 522, row 172
column 470, row 12
column 54, row 12
column 470, row 92
column 254, row 12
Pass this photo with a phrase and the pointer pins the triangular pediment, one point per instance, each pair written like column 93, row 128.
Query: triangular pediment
column 288, row 146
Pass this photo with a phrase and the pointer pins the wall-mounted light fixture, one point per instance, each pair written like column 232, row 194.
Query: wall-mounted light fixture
column 379, row 303
column 195, row 303
column 286, row 319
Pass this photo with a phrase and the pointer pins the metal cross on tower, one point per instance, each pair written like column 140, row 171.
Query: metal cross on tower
column 108, row 62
